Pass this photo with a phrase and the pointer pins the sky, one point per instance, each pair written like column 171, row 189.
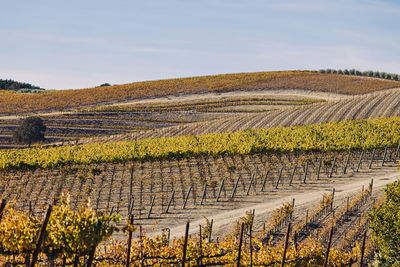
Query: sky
column 84, row 43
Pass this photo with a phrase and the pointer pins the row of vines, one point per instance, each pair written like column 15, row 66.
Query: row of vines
column 70, row 237
column 345, row 135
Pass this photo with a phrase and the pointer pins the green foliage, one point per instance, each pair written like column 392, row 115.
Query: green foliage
column 104, row 84
column 30, row 130
column 18, row 86
column 385, row 227
column 369, row 73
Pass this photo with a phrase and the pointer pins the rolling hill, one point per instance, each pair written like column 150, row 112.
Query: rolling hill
column 309, row 80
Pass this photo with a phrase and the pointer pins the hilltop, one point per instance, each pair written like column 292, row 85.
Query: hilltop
column 306, row 80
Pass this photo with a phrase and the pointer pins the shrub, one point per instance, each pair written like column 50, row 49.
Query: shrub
column 30, row 130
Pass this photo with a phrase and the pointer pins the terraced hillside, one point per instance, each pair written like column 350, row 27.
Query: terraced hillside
column 198, row 105
column 384, row 103
column 308, row 80
column 137, row 117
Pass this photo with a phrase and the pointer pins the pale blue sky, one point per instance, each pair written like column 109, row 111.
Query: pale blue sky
column 82, row 43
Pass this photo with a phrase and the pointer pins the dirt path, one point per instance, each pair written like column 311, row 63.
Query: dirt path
column 308, row 199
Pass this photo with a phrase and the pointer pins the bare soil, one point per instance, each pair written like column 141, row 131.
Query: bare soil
column 307, row 197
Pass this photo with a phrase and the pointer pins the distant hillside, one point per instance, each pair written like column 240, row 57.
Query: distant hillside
column 11, row 85
column 307, row 80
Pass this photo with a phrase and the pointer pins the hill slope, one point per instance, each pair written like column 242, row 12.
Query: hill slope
column 372, row 105
column 227, row 82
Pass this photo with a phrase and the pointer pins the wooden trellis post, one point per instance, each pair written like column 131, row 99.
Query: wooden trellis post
column 240, row 245
column 235, row 187
column 279, row 178
column 151, row 206
column 41, row 236
column 333, row 168
column 328, row 248
column 305, row 172
column 2, row 208
column 265, row 180
column 360, row 161
column 347, row 163
column 292, row 175
column 185, row 244
column 170, row 201
column 203, row 197
column 251, row 182
column 286, row 245
column 128, row 252
column 187, row 197
column 211, row 227
column 363, row 249
column 372, row 158
column 220, row 190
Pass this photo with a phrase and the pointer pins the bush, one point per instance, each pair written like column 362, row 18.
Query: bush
column 385, row 227
column 30, row 130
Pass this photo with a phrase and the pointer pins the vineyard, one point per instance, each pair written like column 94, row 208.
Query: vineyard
column 380, row 104
column 112, row 120
column 205, row 113
column 345, row 135
column 308, row 80
column 255, row 169
column 263, row 241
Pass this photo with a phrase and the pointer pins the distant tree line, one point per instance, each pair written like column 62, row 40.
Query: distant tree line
column 368, row 73
column 12, row 85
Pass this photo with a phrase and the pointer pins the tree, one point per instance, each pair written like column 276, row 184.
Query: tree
column 30, row 130
column 385, row 227
column 105, row 84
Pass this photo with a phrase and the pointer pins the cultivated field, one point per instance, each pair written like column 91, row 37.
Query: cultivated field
column 22, row 103
column 207, row 149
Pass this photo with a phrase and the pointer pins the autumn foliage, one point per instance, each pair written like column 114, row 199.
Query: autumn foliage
column 22, row 103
